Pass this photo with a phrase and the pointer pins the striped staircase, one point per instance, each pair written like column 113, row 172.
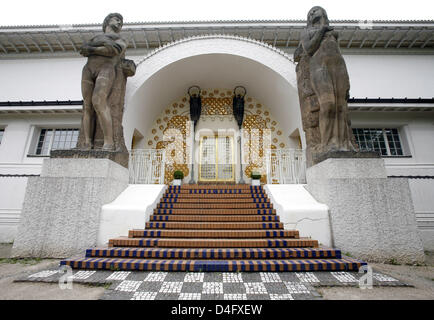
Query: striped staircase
column 214, row 228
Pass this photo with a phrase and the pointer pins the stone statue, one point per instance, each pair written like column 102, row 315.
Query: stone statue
column 323, row 86
column 309, row 105
column 103, row 88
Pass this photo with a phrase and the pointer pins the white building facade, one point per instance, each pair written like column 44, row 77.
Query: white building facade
column 390, row 65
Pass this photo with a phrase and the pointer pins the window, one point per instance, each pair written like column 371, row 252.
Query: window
column 386, row 141
column 52, row 139
column 2, row 131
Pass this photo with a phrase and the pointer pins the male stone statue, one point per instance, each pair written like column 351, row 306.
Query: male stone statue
column 325, row 86
column 105, row 53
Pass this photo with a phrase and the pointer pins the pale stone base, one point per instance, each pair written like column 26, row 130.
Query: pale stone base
column 130, row 210
column 298, row 210
column 372, row 216
column 61, row 210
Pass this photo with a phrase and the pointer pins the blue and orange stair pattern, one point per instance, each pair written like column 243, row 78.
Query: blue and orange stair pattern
column 214, row 228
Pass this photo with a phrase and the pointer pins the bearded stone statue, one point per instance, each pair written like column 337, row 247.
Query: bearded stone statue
column 323, row 86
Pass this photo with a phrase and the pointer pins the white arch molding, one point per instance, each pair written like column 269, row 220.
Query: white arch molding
column 214, row 61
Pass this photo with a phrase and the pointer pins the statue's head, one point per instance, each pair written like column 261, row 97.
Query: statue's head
column 317, row 16
column 114, row 20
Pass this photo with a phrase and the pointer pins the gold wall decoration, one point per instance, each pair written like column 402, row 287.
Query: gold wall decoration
column 217, row 106
column 254, row 126
column 215, row 101
column 180, row 123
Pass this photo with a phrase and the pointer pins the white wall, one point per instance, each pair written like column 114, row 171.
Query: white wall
column 416, row 131
column 20, row 132
column 58, row 78
column 417, row 134
column 390, row 76
column 380, row 75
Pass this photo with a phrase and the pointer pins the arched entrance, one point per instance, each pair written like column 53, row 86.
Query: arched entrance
column 215, row 61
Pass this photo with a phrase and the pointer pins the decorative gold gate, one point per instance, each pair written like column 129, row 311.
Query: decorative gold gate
column 216, row 162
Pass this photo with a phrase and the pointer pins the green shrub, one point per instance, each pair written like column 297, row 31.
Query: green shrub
column 255, row 175
column 178, row 174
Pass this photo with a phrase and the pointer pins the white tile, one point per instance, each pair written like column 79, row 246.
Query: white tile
column 118, row 275
column 307, row 277
column 294, row 287
column 43, row 274
column 156, row 276
column 189, row 296
column 128, row 285
column 235, row 296
column 212, row 288
column 269, row 277
column 144, row 295
column 255, row 288
column 171, row 287
column 284, row 296
column 383, row 277
column 83, row 274
column 194, row 277
column 344, row 277
column 231, row 277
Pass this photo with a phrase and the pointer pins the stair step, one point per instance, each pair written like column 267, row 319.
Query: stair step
column 215, row 191
column 214, row 186
column 212, row 243
column 202, row 199
column 214, row 228
column 214, row 225
column 215, row 196
column 215, row 211
column 232, row 234
column 215, row 206
column 215, row 265
column 220, row 253
column 214, row 218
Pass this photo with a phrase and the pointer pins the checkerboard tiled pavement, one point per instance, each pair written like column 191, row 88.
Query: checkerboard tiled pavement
column 135, row 285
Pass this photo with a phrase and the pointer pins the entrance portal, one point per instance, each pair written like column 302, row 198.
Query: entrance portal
column 217, row 161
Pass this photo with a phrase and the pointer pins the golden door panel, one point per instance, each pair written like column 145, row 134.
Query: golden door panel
column 216, row 161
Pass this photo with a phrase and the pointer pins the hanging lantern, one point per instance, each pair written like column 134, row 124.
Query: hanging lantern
column 195, row 103
column 238, row 104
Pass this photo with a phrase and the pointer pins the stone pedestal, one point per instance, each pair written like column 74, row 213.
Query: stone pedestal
column 61, row 210
column 372, row 216
column 120, row 157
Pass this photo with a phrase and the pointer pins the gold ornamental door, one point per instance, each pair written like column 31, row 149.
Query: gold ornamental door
column 216, row 161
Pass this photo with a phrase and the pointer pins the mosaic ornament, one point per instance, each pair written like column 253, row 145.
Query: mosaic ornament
column 217, row 106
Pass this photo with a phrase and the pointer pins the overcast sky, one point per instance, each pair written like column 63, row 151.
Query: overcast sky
column 56, row 12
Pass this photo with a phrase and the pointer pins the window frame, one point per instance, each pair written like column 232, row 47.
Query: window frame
column 2, row 135
column 37, row 134
column 402, row 140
